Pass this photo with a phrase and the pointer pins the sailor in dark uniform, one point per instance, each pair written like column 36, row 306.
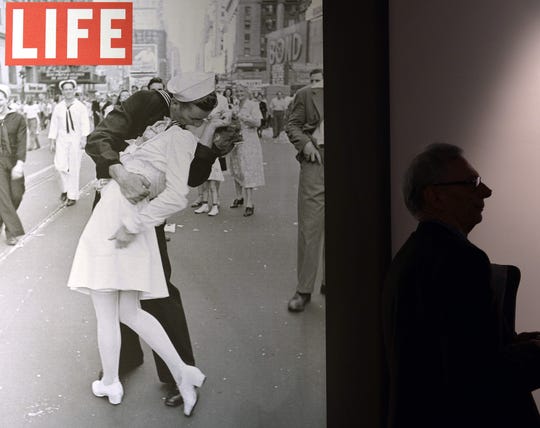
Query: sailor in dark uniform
column 125, row 122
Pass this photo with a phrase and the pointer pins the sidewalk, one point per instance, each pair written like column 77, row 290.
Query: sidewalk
column 265, row 366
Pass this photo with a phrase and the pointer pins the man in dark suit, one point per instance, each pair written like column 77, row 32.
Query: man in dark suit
column 449, row 362
column 128, row 121
column 305, row 129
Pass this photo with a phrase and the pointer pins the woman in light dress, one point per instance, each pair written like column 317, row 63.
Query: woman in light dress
column 246, row 157
column 120, row 238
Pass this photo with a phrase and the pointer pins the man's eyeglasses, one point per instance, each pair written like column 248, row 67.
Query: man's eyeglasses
column 474, row 182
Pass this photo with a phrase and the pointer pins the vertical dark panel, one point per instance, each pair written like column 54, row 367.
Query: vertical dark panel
column 357, row 203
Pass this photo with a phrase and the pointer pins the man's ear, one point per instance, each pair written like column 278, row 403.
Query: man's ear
column 432, row 197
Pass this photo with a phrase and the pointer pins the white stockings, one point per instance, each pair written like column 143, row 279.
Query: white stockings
column 114, row 306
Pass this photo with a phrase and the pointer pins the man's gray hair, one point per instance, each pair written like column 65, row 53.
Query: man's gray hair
column 428, row 167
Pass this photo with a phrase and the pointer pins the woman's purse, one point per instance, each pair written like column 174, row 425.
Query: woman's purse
column 225, row 136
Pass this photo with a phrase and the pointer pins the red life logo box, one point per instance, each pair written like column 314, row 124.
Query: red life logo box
column 69, row 33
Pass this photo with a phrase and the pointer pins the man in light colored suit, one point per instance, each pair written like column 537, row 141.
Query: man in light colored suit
column 305, row 129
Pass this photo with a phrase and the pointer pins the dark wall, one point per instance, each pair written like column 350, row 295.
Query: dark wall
column 467, row 72
column 357, row 202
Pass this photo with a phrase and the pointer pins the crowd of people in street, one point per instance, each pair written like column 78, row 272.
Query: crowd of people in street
column 149, row 148
column 250, row 110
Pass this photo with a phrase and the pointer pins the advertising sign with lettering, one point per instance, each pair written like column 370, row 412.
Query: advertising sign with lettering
column 69, row 33
column 80, row 74
column 35, row 87
column 252, row 84
column 287, row 45
column 145, row 58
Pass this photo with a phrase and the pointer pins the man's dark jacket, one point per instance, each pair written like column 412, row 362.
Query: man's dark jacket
column 15, row 124
column 129, row 121
column 449, row 361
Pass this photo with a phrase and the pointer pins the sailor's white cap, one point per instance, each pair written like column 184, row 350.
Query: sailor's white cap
column 63, row 82
column 191, row 86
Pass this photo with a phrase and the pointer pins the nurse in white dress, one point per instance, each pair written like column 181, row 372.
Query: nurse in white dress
column 120, row 238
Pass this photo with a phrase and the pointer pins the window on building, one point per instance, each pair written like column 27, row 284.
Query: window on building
column 247, row 50
column 263, row 46
column 247, row 11
column 247, row 37
column 291, row 9
column 247, row 25
column 270, row 24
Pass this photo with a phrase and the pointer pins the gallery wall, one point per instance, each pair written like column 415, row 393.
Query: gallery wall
column 467, row 72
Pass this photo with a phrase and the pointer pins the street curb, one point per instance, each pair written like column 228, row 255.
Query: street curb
column 41, row 224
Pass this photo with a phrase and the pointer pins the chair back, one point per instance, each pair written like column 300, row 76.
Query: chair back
column 505, row 282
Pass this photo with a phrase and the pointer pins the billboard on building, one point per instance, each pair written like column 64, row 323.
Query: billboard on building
column 82, row 74
column 140, row 80
column 145, row 59
column 286, row 47
column 251, row 84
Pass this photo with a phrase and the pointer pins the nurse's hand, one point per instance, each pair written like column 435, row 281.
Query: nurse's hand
column 123, row 237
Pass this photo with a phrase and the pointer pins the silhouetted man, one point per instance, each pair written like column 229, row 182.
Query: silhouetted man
column 454, row 359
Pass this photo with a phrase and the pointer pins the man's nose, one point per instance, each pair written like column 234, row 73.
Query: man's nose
column 485, row 190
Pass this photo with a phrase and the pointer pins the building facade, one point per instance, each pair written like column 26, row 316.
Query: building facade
column 149, row 42
column 293, row 51
column 264, row 42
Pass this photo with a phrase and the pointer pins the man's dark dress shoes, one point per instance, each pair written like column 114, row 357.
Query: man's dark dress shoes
column 174, row 399
column 298, row 302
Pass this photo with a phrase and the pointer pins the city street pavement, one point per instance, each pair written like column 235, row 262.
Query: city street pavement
column 265, row 366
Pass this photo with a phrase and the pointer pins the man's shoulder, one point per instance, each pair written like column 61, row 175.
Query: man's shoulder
column 439, row 245
column 304, row 90
column 14, row 115
column 431, row 254
column 302, row 95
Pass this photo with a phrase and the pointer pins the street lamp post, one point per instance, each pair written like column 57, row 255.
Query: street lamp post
column 22, row 75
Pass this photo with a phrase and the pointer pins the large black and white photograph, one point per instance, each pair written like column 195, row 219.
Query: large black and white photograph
column 162, row 225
